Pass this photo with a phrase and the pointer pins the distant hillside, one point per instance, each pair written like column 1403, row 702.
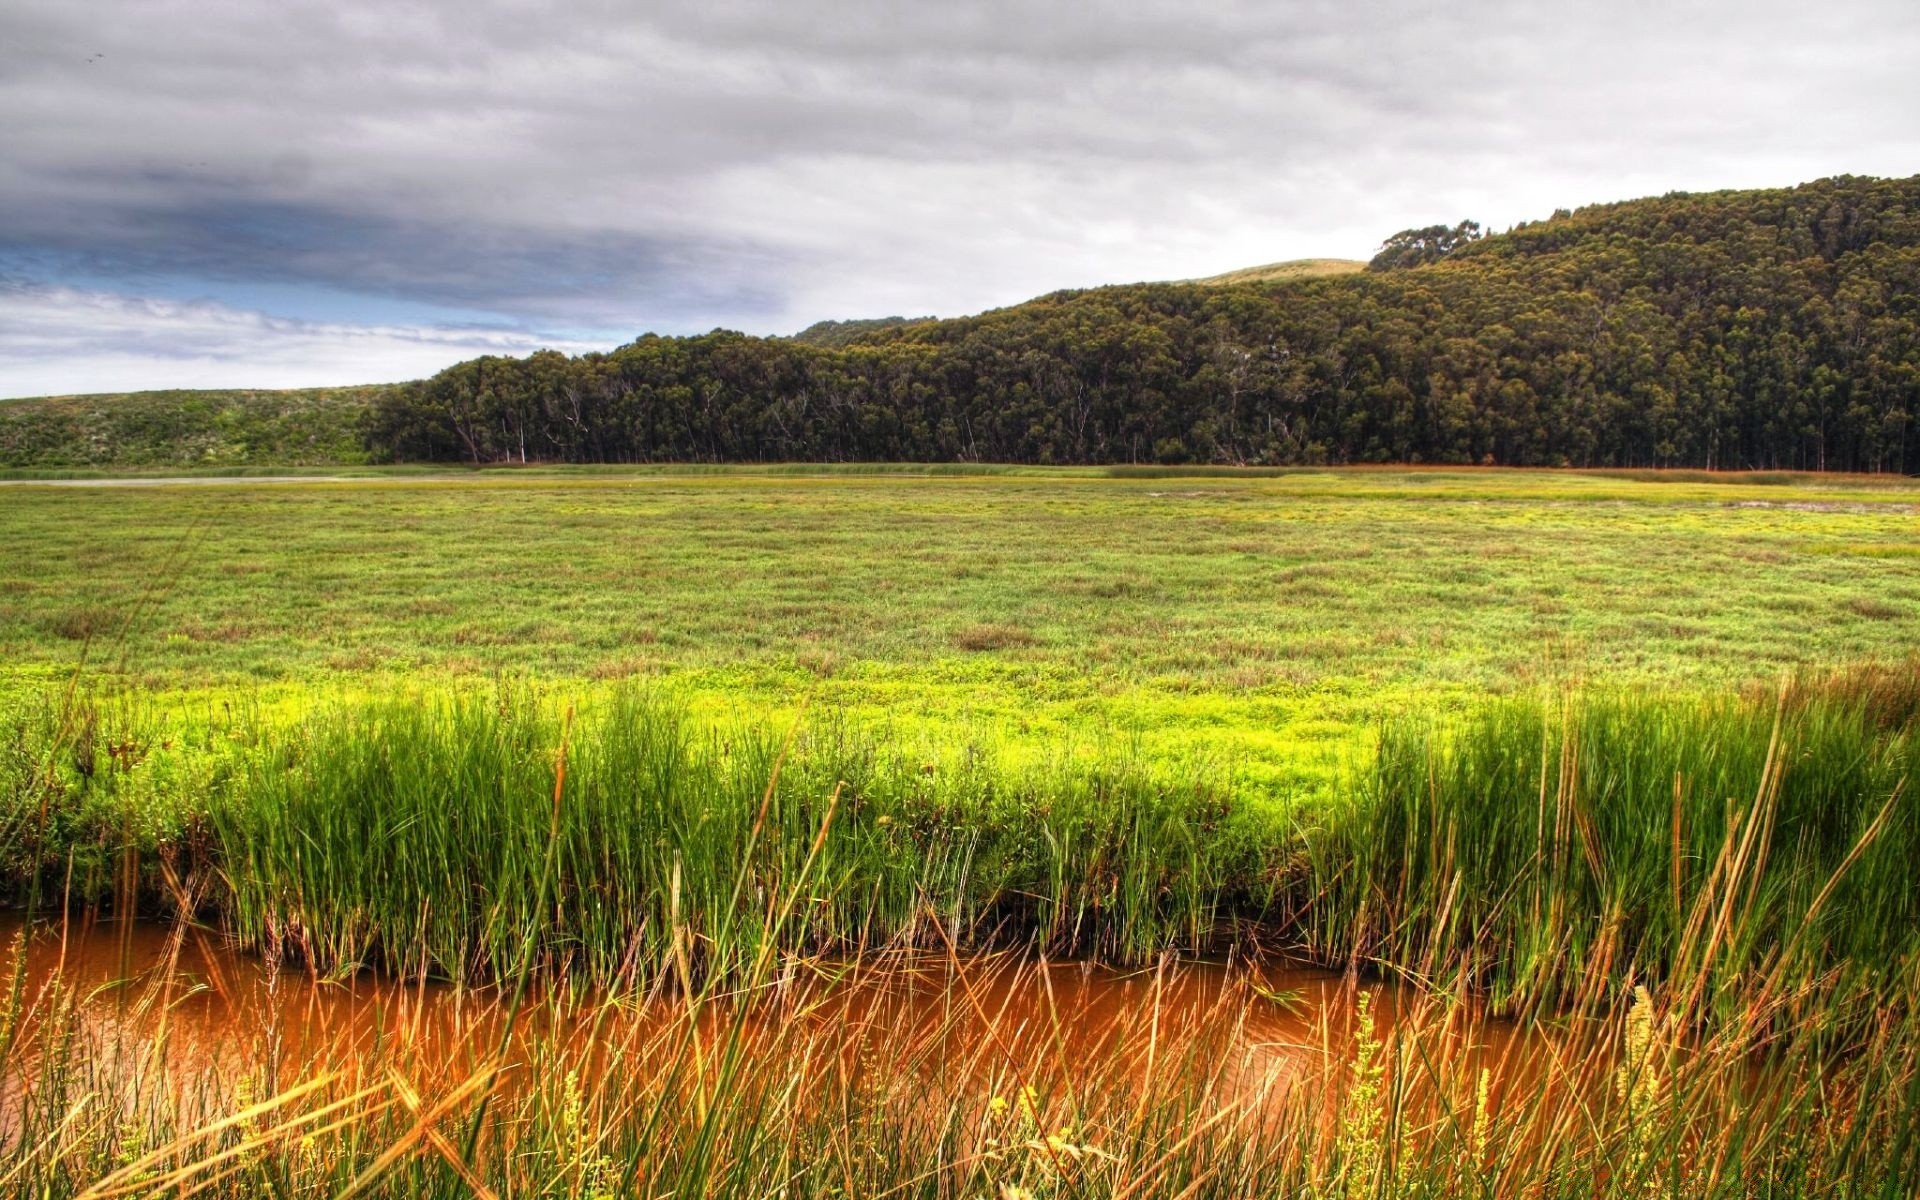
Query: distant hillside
column 305, row 427
column 1751, row 329
column 1775, row 329
column 1297, row 268
column 835, row 334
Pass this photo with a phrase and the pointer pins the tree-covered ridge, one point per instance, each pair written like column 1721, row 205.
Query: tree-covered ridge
column 1735, row 329
column 835, row 334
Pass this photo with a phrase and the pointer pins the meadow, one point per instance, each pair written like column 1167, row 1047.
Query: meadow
column 1260, row 622
column 1613, row 766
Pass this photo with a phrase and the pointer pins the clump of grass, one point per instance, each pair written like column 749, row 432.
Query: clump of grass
column 1886, row 691
column 992, row 636
column 1554, row 847
column 94, row 788
column 411, row 831
column 82, row 623
column 1874, row 609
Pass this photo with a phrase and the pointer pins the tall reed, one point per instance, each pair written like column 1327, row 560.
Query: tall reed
column 410, row 833
column 1549, row 851
column 1547, row 844
column 833, row 1093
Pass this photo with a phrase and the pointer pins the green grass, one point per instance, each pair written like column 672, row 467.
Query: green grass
column 1544, row 845
column 415, row 831
column 1263, row 622
column 188, row 429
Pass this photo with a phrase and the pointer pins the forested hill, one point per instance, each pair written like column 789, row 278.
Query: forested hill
column 1754, row 329
column 1774, row 328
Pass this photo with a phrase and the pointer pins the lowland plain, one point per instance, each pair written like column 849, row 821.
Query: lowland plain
column 1261, row 622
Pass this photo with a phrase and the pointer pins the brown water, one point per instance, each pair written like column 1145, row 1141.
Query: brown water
column 149, row 998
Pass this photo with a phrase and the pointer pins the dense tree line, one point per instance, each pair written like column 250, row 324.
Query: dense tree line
column 1775, row 329
column 1418, row 247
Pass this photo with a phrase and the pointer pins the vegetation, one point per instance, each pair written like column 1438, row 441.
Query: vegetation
column 1758, row 329
column 1548, row 844
column 415, row 832
column 1417, row 247
column 1757, row 1062
column 1248, row 628
column 306, row 427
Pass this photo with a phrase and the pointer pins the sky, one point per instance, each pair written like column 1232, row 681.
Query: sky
column 275, row 194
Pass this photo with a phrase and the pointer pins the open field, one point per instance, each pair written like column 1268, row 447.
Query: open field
column 1254, row 619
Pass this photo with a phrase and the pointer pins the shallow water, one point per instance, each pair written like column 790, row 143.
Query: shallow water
column 149, row 997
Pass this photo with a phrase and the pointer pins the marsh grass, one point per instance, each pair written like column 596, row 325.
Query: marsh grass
column 783, row 1087
column 1266, row 618
column 1557, row 848
column 1714, row 978
column 1551, row 849
column 411, row 833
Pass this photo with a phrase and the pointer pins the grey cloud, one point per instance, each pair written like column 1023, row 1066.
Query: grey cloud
column 693, row 162
column 590, row 278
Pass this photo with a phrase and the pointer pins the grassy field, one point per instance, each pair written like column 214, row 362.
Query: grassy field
column 1256, row 621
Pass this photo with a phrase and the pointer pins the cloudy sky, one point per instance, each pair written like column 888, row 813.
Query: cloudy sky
column 218, row 193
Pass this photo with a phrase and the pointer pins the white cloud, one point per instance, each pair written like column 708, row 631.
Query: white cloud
column 58, row 340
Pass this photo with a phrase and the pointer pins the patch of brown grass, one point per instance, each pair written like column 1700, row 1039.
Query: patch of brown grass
column 993, row 636
column 1872, row 609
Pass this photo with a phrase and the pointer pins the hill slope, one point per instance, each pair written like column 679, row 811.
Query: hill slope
column 303, row 427
column 1296, row 268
